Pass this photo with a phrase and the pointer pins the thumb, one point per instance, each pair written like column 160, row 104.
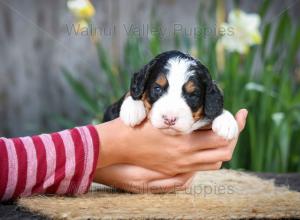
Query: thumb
column 241, row 117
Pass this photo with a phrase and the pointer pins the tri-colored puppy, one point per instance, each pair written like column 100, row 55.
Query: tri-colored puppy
column 175, row 91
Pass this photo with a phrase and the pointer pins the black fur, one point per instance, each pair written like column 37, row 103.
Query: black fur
column 140, row 79
column 112, row 112
column 213, row 103
column 213, row 99
column 195, row 99
column 207, row 93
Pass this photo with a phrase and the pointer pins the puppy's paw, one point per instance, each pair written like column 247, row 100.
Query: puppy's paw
column 132, row 111
column 225, row 125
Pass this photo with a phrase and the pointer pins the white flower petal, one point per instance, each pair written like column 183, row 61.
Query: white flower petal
column 277, row 117
column 252, row 21
column 255, row 86
column 76, row 4
column 240, row 32
column 81, row 8
column 235, row 17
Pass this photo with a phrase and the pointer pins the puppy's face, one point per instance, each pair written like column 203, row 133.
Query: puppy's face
column 177, row 93
column 174, row 96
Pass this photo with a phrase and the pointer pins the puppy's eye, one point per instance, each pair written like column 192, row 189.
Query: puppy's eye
column 157, row 89
column 193, row 95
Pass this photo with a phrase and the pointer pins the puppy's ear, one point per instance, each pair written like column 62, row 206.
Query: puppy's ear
column 139, row 79
column 213, row 101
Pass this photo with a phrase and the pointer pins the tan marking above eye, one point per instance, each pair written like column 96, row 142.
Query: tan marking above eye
column 189, row 87
column 161, row 80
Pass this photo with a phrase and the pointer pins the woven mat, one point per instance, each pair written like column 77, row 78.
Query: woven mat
column 223, row 194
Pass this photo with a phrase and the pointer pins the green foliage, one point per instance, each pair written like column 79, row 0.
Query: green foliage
column 268, row 90
column 261, row 81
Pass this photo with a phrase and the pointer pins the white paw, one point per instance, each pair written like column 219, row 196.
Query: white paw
column 225, row 125
column 132, row 111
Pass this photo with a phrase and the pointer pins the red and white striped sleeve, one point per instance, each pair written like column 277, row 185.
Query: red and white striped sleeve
column 59, row 163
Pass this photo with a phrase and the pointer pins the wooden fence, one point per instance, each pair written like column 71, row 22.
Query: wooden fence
column 35, row 43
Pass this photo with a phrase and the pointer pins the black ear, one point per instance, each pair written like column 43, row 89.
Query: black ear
column 139, row 79
column 213, row 101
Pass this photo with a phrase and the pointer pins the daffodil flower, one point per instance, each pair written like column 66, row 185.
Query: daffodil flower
column 241, row 31
column 81, row 25
column 81, row 9
column 277, row 117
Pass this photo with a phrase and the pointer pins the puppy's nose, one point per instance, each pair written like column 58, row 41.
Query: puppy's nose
column 169, row 120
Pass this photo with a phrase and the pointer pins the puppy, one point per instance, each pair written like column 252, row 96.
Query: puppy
column 175, row 91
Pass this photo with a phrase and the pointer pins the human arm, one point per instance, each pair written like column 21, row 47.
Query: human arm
column 58, row 163
column 65, row 162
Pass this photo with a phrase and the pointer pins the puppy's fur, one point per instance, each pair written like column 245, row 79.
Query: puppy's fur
column 177, row 94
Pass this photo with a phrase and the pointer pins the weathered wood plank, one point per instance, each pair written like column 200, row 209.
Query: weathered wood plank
column 35, row 44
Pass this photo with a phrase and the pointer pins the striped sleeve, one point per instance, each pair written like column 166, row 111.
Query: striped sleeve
column 59, row 163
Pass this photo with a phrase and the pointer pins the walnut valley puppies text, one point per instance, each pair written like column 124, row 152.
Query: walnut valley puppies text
column 147, row 30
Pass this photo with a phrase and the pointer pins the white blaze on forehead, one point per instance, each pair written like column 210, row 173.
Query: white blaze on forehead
column 178, row 74
column 172, row 104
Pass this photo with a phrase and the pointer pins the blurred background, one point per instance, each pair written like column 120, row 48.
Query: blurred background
column 62, row 62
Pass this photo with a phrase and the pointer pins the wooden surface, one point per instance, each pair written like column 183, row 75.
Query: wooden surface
column 35, row 44
column 11, row 211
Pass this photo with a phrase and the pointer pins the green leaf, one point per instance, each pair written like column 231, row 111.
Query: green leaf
column 154, row 44
column 107, row 67
column 266, row 33
column 264, row 8
column 89, row 103
column 283, row 24
column 177, row 41
column 294, row 48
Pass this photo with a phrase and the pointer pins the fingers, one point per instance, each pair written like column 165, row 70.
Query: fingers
column 207, row 139
column 136, row 172
column 205, row 166
column 122, row 172
column 178, row 182
column 241, row 117
column 211, row 156
column 188, row 167
column 223, row 153
column 169, row 184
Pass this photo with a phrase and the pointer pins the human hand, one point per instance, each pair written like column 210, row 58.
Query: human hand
column 141, row 180
column 146, row 146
